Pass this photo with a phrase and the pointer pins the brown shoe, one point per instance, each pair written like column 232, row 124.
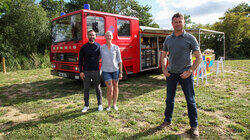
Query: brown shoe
column 164, row 124
column 194, row 131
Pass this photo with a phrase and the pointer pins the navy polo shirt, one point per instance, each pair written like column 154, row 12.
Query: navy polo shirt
column 89, row 57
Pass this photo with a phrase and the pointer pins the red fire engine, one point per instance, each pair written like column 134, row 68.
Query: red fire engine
column 140, row 46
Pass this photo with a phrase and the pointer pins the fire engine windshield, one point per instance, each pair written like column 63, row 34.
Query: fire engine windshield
column 67, row 29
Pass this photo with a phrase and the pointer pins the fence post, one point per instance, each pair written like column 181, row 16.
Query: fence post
column 4, row 68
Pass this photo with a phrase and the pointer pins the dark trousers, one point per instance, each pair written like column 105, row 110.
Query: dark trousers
column 188, row 89
column 96, row 79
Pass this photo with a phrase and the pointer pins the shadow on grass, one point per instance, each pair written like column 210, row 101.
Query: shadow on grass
column 135, row 85
column 151, row 131
column 148, row 132
column 55, row 118
column 29, row 92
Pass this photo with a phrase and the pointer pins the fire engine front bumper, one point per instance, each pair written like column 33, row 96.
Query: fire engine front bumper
column 65, row 74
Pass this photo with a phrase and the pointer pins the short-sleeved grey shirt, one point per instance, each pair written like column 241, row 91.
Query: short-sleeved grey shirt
column 180, row 51
column 110, row 58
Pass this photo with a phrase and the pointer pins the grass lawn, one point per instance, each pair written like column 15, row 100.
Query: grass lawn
column 36, row 105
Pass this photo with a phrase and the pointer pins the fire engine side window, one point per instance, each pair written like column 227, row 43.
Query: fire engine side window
column 96, row 24
column 123, row 27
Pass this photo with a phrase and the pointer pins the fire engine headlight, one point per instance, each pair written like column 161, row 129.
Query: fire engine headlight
column 53, row 66
column 76, row 68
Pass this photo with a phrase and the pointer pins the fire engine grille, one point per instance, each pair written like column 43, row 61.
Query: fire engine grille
column 66, row 67
column 66, row 57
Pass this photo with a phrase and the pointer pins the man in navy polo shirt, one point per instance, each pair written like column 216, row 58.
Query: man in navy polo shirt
column 179, row 46
column 89, row 57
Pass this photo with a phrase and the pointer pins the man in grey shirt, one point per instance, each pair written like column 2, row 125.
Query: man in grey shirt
column 179, row 46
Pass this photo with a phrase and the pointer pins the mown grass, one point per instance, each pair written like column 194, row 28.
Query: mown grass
column 51, row 107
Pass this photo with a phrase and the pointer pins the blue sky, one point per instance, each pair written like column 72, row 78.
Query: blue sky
column 201, row 11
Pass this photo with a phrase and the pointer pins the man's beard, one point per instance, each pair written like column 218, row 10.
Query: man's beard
column 91, row 40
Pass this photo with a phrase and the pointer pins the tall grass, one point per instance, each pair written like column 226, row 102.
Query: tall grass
column 34, row 61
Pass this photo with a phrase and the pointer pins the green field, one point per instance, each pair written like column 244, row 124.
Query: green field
column 36, row 105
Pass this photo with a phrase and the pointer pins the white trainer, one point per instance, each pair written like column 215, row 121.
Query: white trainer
column 115, row 107
column 108, row 108
column 85, row 109
column 100, row 108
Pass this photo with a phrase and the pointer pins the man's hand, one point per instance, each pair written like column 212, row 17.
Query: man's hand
column 185, row 74
column 82, row 75
column 166, row 73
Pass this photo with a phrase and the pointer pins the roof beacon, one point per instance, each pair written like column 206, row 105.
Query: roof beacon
column 87, row 6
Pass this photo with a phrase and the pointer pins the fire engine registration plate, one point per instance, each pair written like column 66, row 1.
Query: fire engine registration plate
column 62, row 74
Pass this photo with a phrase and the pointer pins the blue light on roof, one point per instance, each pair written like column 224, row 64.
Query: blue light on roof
column 86, row 6
column 62, row 13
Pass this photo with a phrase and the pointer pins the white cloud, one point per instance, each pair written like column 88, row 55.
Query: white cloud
column 201, row 11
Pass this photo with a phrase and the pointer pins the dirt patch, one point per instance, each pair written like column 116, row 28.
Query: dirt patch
column 24, row 90
column 144, row 124
column 145, row 85
column 222, row 129
column 1, row 136
column 62, row 106
column 180, row 99
column 14, row 115
column 237, row 72
column 161, row 77
column 126, row 94
column 60, row 83
column 125, row 85
column 218, row 115
column 125, row 129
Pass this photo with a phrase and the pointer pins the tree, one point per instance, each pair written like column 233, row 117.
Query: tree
column 24, row 27
column 53, row 7
column 141, row 12
column 124, row 7
column 243, row 7
column 236, row 26
column 4, row 6
column 188, row 22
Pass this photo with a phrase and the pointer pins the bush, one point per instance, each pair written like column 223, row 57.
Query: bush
column 34, row 61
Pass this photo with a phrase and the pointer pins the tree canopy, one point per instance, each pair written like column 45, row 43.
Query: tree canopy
column 52, row 7
column 124, row 7
column 236, row 26
column 24, row 26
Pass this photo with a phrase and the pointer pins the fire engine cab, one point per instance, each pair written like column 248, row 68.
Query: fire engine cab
column 140, row 46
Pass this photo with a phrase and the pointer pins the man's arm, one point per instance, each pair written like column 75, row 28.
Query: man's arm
column 197, row 62
column 80, row 64
column 163, row 63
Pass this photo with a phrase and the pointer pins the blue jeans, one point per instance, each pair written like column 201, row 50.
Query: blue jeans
column 187, row 86
column 110, row 75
